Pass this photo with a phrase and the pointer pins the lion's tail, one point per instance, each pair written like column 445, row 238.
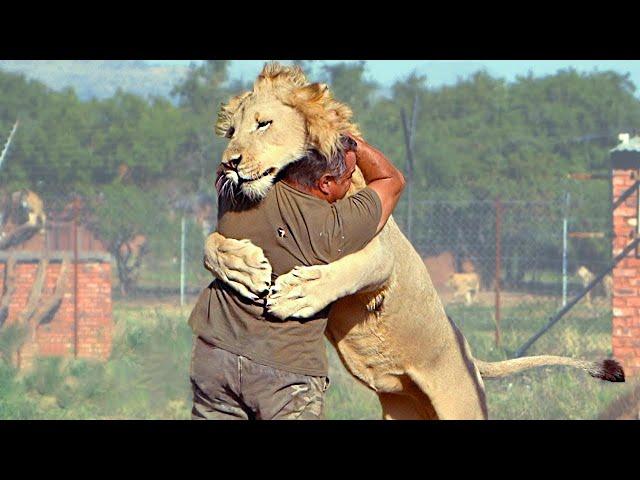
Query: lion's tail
column 609, row 370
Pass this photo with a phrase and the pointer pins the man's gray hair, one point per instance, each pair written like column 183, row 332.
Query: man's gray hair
column 309, row 169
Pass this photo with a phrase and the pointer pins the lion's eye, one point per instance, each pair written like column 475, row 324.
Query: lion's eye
column 230, row 132
column 264, row 125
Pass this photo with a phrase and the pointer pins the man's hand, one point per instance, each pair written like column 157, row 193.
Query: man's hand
column 239, row 264
column 381, row 176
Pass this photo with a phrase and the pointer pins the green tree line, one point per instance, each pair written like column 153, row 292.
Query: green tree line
column 479, row 139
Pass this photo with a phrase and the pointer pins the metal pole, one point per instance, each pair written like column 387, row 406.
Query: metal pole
column 6, row 146
column 564, row 249
column 414, row 115
column 409, row 194
column 412, row 136
column 498, row 267
column 182, row 245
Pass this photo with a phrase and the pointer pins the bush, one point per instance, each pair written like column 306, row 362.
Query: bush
column 15, row 404
column 11, row 338
column 46, row 377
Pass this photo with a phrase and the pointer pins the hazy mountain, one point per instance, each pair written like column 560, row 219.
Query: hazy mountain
column 100, row 78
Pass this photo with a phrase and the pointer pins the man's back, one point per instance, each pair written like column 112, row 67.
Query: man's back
column 293, row 229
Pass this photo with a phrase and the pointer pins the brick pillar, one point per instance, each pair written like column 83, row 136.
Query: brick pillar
column 626, row 276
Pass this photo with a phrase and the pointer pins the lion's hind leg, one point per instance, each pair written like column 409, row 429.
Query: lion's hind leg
column 451, row 380
column 459, row 399
column 407, row 406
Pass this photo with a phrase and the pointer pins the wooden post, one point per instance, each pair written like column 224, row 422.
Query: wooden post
column 75, row 277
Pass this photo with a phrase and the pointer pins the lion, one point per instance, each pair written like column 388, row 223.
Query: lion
column 386, row 321
column 21, row 216
column 23, row 207
column 587, row 276
column 466, row 285
column 32, row 204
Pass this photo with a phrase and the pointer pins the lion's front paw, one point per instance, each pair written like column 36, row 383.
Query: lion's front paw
column 239, row 264
column 301, row 293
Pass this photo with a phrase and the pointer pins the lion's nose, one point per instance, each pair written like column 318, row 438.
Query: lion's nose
column 233, row 162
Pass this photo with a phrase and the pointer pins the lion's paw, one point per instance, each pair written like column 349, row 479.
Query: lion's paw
column 301, row 293
column 239, row 264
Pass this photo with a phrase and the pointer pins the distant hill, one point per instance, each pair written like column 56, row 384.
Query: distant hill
column 100, row 78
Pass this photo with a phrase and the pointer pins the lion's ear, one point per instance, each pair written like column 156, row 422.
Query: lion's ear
column 225, row 115
column 326, row 118
column 313, row 93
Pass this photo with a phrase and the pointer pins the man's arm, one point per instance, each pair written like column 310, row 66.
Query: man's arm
column 381, row 176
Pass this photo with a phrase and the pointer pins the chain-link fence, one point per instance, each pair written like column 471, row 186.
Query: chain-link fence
column 173, row 260
column 504, row 267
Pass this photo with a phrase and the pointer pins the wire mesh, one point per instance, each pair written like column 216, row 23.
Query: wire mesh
column 458, row 241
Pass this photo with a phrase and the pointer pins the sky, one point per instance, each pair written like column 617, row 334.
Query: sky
column 446, row 72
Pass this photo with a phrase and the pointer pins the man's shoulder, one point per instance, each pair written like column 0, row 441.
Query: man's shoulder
column 357, row 219
column 282, row 189
column 364, row 202
column 287, row 199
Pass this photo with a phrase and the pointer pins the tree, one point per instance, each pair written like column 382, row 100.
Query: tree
column 349, row 85
column 120, row 215
column 203, row 87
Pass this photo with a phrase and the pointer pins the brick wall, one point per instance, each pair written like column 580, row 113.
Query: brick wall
column 626, row 276
column 58, row 337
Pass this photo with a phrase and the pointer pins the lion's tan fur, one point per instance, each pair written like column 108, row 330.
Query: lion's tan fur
column 388, row 323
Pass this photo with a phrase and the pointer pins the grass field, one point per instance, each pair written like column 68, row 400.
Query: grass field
column 147, row 375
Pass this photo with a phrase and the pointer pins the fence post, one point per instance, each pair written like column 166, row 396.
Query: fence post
column 75, row 277
column 565, row 225
column 498, row 208
column 182, row 242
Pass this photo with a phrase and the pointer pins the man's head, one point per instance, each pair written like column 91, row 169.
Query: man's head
column 328, row 179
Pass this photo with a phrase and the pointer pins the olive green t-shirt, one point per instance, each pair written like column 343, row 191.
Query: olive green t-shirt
column 293, row 229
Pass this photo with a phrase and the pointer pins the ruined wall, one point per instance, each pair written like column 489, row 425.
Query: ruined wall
column 92, row 337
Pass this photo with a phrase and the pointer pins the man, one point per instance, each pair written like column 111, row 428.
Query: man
column 247, row 364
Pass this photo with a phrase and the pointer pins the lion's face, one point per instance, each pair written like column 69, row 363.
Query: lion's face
column 265, row 136
column 274, row 125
